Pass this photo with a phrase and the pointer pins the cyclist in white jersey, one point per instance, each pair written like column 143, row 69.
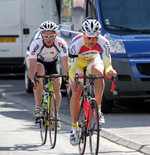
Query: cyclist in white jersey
column 86, row 49
column 44, row 53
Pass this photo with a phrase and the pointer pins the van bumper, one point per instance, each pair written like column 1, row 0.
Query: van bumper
column 8, row 65
column 127, row 85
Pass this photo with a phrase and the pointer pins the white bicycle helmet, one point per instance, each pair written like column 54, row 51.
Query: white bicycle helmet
column 91, row 27
column 48, row 26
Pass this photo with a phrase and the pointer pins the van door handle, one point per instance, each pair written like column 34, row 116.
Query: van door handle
column 26, row 31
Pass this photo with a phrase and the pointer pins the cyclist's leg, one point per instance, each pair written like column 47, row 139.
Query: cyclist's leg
column 96, row 67
column 57, row 84
column 52, row 68
column 74, row 101
column 75, row 108
column 75, row 98
column 39, row 89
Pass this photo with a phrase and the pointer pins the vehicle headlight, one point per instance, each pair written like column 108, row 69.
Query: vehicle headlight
column 116, row 45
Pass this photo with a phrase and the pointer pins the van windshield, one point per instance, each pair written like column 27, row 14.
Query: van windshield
column 126, row 15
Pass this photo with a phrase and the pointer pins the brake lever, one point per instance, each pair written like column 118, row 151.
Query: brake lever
column 113, row 84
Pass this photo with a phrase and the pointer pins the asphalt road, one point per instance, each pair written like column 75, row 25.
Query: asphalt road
column 128, row 124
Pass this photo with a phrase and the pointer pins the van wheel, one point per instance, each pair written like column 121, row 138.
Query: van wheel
column 28, row 84
column 106, row 105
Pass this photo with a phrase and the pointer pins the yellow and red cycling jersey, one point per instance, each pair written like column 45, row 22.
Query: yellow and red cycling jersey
column 86, row 54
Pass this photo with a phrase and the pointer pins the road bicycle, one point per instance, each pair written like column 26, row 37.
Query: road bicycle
column 88, row 118
column 48, row 103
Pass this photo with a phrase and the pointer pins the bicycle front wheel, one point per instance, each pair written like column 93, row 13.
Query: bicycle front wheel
column 43, row 126
column 82, row 133
column 93, row 128
column 43, row 131
column 52, row 120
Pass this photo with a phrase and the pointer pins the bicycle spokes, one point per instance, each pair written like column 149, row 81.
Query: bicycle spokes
column 94, row 129
column 52, row 121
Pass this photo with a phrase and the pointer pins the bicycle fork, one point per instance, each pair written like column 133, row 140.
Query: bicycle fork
column 87, row 112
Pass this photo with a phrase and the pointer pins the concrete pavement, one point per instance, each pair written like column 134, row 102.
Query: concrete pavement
column 122, row 129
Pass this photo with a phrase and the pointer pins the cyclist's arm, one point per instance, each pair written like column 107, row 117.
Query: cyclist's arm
column 33, row 59
column 107, row 62
column 63, row 49
column 65, row 64
column 106, row 55
column 72, row 70
column 32, row 68
column 109, row 71
column 76, row 44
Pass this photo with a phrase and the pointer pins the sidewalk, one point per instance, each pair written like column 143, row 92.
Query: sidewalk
column 124, row 130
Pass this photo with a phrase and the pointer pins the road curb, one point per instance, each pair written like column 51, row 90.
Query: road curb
column 125, row 142
column 104, row 133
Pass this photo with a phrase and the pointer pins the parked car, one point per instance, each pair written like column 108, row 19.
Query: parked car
column 28, row 84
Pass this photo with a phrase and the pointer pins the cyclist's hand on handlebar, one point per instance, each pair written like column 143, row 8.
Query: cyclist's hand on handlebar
column 67, row 83
column 34, row 85
column 111, row 73
column 35, row 81
column 76, row 86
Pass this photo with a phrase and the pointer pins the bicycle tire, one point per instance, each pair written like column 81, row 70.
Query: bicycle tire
column 43, row 128
column 93, row 128
column 82, row 131
column 52, row 120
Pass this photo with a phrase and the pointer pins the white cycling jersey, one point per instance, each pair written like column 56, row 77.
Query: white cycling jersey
column 39, row 50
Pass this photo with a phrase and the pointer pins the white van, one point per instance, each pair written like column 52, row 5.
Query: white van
column 18, row 21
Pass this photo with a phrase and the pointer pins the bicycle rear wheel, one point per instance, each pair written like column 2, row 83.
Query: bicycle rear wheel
column 52, row 120
column 82, row 131
column 93, row 128
column 43, row 126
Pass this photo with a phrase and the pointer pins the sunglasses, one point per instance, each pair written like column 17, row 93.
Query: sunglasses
column 89, row 38
column 48, row 36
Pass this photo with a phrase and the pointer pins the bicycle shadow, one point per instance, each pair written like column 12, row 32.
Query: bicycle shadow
column 23, row 147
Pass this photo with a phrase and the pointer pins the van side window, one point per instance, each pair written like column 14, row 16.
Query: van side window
column 91, row 9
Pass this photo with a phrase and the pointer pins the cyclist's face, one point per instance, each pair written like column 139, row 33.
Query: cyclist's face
column 49, row 37
column 90, row 41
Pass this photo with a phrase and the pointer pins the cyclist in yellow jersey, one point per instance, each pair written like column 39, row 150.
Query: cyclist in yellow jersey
column 86, row 49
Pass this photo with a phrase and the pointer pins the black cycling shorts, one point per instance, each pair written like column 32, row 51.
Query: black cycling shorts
column 50, row 67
